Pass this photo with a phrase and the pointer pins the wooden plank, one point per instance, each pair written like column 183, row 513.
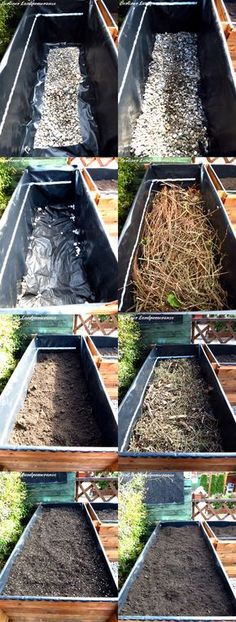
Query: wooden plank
column 231, row 571
column 47, row 461
column 3, row 617
column 81, row 611
column 221, row 10
column 176, row 464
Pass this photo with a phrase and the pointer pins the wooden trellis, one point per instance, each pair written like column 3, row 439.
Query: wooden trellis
column 205, row 329
column 204, row 508
column 87, row 487
column 94, row 323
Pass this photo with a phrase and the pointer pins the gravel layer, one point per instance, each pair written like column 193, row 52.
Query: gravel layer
column 172, row 121
column 59, row 124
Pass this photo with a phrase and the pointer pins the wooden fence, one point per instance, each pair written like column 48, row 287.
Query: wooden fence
column 106, row 324
column 221, row 330
column 88, row 487
column 205, row 508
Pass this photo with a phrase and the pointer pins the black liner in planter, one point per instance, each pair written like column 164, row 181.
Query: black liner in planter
column 223, row 524
column 20, row 545
column 52, row 186
column 140, row 561
column 23, row 71
column 131, row 409
column 224, row 171
column 223, row 349
column 100, row 173
column 14, row 393
column 218, row 91
column 185, row 175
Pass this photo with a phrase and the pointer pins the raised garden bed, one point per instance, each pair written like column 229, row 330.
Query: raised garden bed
column 159, row 428
column 226, row 530
column 35, row 65
column 105, row 512
column 59, row 559
column 147, row 68
column 55, row 412
column 177, row 574
column 39, row 268
column 161, row 289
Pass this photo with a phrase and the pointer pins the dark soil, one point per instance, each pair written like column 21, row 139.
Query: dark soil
column 177, row 413
column 106, row 185
column 224, row 532
column 107, row 514
column 57, row 409
column 60, row 558
column 231, row 8
column 178, row 578
column 229, row 183
column 226, row 358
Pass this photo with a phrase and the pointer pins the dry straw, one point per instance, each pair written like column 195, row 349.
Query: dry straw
column 179, row 262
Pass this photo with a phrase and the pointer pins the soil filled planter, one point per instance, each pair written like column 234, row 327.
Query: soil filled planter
column 168, row 577
column 106, row 512
column 158, row 418
column 226, row 530
column 186, row 180
column 55, row 410
column 39, row 103
column 175, row 75
column 59, row 559
column 227, row 175
column 54, row 248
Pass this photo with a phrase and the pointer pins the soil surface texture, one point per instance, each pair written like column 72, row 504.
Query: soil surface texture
column 224, row 532
column 106, row 185
column 60, row 557
column 229, row 183
column 177, row 414
column 231, row 8
column 226, row 358
column 58, row 408
column 172, row 121
column 107, row 514
column 178, row 577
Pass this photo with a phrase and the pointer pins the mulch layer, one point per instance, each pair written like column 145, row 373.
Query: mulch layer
column 178, row 577
column 224, row 532
column 107, row 514
column 58, row 409
column 177, row 414
column 60, row 558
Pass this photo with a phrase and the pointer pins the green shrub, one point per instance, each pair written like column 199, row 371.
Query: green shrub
column 130, row 175
column 129, row 351
column 134, row 526
column 10, row 15
column 14, row 508
column 9, row 177
column 12, row 344
column 204, row 481
column 217, row 484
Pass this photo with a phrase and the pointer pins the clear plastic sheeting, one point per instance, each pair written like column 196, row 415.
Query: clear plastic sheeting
column 54, row 248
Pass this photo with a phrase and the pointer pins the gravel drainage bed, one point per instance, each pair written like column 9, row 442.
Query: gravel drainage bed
column 107, row 514
column 60, row 557
column 54, row 264
column 177, row 264
column 227, row 531
column 177, row 414
column 178, row 577
column 57, row 409
column 172, row 121
column 59, row 124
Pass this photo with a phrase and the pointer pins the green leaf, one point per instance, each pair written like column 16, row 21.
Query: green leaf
column 173, row 301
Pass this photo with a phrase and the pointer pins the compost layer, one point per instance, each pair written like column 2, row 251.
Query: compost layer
column 178, row 263
column 54, row 265
column 107, row 514
column 172, row 121
column 177, row 414
column 59, row 124
column 58, row 408
column 178, row 577
column 60, row 557
column 225, row 532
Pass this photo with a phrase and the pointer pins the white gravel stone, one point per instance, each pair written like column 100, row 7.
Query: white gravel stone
column 59, row 124
column 172, row 121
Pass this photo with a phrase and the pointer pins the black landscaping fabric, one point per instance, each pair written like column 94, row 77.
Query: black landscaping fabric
column 53, row 269
column 164, row 488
